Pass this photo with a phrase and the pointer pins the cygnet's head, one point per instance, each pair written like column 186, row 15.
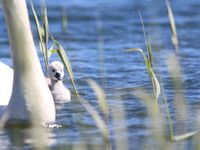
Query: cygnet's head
column 56, row 71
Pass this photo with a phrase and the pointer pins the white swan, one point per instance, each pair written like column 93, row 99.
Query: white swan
column 6, row 81
column 59, row 91
column 31, row 97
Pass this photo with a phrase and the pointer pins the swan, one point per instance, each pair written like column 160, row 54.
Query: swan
column 31, row 99
column 6, row 81
column 59, row 91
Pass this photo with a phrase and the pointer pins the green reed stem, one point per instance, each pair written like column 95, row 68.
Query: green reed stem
column 169, row 120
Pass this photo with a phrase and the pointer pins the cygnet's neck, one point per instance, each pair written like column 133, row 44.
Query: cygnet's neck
column 56, row 83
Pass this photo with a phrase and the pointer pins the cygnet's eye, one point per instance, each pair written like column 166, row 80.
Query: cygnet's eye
column 53, row 70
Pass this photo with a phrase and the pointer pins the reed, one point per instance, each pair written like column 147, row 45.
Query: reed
column 156, row 119
column 120, row 131
column 98, row 119
column 44, row 42
column 174, row 37
column 101, row 96
column 174, row 70
column 149, row 63
column 181, row 109
column 41, row 33
column 64, row 20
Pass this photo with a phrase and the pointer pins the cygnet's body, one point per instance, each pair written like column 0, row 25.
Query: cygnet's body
column 59, row 91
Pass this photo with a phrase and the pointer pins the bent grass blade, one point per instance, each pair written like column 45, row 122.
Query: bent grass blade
column 155, row 82
column 95, row 115
column 63, row 56
column 153, row 112
column 185, row 136
column 40, row 33
column 100, row 96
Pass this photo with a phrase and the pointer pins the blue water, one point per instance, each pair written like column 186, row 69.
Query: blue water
column 118, row 25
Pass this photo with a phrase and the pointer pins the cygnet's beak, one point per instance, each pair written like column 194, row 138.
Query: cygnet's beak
column 58, row 76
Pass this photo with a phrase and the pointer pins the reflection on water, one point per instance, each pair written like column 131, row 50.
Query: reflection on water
column 120, row 29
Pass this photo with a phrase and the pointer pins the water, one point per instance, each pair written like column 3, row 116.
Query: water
column 118, row 24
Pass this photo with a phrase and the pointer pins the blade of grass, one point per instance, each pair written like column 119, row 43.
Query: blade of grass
column 61, row 52
column 143, row 54
column 197, row 137
column 43, row 48
column 143, row 29
column 37, row 23
column 155, row 82
column 100, row 96
column 95, row 115
column 172, row 26
column 175, row 73
column 149, row 62
column 46, row 35
column 64, row 19
column 185, row 136
column 149, row 52
column 154, row 113
column 169, row 118
column 119, row 124
column 100, row 44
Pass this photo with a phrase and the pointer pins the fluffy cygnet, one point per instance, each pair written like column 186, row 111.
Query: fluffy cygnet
column 59, row 91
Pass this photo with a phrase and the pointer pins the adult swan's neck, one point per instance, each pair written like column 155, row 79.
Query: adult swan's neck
column 30, row 97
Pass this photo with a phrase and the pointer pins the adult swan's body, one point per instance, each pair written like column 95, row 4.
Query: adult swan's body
column 30, row 96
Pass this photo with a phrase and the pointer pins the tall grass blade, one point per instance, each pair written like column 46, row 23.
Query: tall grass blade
column 143, row 29
column 65, row 60
column 100, row 96
column 149, row 52
column 95, row 115
column 175, row 72
column 43, row 48
column 146, row 98
column 46, row 35
column 119, row 117
column 185, row 136
column 169, row 118
column 149, row 59
column 172, row 25
column 197, row 137
column 100, row 44
column 64, row 19
column 37, row 23
column 155, row 82
column 153, row 112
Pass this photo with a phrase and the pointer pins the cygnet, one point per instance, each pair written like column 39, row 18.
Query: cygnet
column 59, row 91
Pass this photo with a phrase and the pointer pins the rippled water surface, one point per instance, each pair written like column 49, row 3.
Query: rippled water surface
column 97, row 33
